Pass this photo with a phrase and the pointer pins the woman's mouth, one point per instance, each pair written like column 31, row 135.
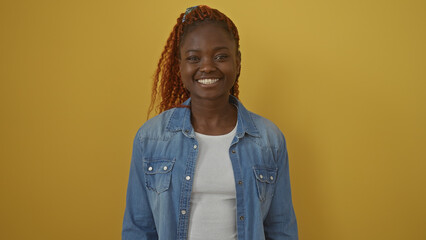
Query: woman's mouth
column 208, row 81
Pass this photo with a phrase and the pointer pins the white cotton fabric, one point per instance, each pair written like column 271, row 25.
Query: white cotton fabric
column 213, row 197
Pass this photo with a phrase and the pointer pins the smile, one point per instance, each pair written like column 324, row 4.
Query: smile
column 208, row 81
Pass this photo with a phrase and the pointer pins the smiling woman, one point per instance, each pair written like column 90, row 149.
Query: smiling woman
column 209, row 61
column 209, row 66
column 206, row 167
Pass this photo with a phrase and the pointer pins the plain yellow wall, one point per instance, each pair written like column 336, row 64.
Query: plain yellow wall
column 344, row 80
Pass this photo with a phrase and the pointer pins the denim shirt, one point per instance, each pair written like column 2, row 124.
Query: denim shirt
column 162, row 169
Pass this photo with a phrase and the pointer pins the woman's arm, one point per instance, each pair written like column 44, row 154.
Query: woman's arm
column 280, row 223
column 138, row 223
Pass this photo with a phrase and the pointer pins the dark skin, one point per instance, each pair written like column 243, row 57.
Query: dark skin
column 209, row 65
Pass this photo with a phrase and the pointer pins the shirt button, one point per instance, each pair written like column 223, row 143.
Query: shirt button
column 150, row 169
column 272, row 178
column 240, row 182
column 261, row 176
column 165, row 168
column 183, row 212
column 241, row 218
column 195, row 146
column 188, row 178
column 233, row 151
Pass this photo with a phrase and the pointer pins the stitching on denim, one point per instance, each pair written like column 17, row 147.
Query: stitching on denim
column 253, row 139
column 160, row 138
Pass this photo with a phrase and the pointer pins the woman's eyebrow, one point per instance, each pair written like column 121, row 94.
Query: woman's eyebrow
column 220, row 48
column 215, row 49
column 192, row 50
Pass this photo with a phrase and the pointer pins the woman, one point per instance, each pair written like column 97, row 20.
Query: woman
column 206, row 168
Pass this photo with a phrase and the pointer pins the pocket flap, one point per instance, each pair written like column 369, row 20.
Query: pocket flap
column 265, row 175
column 156, row 167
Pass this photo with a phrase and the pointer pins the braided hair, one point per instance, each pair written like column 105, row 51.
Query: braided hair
column 168, row 86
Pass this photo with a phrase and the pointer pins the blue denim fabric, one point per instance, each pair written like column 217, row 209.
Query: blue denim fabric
column 162, row 168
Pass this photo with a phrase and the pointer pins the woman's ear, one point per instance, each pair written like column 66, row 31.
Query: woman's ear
column 239, row 62
column 178, row 59
column 178, row 63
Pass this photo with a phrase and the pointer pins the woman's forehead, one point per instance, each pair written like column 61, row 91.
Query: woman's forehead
column 203, row 24
column 207, row 33
column 208, row 38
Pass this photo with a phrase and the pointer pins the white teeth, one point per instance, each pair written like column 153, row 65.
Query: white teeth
column 208, row 80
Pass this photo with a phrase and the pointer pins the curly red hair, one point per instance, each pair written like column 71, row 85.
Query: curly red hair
column 167, row 81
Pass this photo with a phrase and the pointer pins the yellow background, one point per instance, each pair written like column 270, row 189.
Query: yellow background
column 344, row 80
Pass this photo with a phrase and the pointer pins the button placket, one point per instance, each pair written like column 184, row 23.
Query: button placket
column 186, row 191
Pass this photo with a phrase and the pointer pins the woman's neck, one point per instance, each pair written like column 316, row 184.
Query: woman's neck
column 213, row 117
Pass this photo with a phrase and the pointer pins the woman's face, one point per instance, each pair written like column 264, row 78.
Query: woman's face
column 209, row 62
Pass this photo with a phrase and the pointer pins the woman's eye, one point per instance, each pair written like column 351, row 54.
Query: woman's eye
column 221, row 57
column 192, row 59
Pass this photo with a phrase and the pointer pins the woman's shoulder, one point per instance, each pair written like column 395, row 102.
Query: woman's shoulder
column 155, row 127
column 267, row 129
column 263, row 123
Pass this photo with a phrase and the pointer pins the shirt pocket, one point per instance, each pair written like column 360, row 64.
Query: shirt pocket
column 265, row 181
column 158, row 173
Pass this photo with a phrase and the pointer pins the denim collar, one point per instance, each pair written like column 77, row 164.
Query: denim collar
column 180, row 120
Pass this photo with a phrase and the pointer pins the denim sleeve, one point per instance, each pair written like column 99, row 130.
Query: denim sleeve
column 138, row 221
column 280, row 223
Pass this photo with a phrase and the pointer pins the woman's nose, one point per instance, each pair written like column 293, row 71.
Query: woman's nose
column 207, row 65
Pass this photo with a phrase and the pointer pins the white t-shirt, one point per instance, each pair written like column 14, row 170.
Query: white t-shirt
column 213, row 197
